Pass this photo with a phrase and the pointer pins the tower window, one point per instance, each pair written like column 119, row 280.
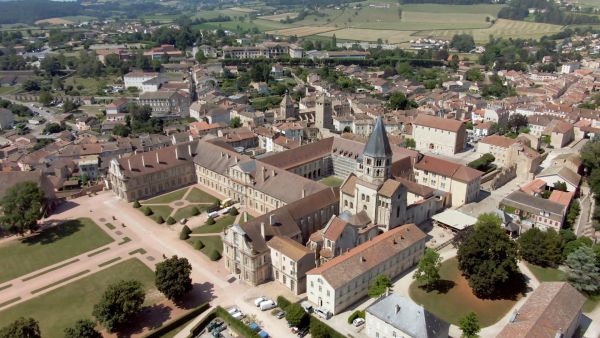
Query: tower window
column 379, row 163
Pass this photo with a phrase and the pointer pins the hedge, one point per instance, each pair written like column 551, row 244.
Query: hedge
column 177, row 322
column 283, row 302
column 214, row 255
column 147, row 211
column 198, row 244
column 185, row 233
column 171, row 220
column 203, row 323
column 318, row 329
column 356, row 314
column 160, row 220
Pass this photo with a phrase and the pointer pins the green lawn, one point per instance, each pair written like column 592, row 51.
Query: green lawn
column 198, row 196
column 210, row 243
column 160, row 210
column 332, row 181
column 167, row 198
column 8, row 90
column 51, row 246
column 220, row 224
column 60, row 308
column 591, row 303
column 186, row 212
column 459, row 300
column 546, row 274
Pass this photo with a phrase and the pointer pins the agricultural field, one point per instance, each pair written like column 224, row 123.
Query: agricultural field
column 502, row 28
column 278, row 17
column 55, row 21
column 386, row 35
column 303, row 31
column 243, row 10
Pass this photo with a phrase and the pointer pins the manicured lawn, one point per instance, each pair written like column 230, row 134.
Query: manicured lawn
column 199, row 196
column 51, row 246
column 220, row 224
column 60, row 308
column 546, row 274
column 459, row 299
column 159, row 210
column 210, row 243
column 332, row 181
column 591, row 304
column 186, row 212
column 167, row 198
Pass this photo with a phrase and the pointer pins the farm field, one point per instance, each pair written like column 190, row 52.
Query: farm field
column 386, row 35
column 303, row 31
column 502, row 28
column 281, row 16
column 243, row 10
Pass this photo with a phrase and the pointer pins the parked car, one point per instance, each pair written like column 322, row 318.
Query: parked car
column 183, row 220
column 323, row 313
column 358, row 322
column 307, row 306
column 238, row 315
column 259, row 300
column 267, row 305
column 263, row 334
column 280, row 314
column 254, row 327
column 233, row 310
column 303, row 332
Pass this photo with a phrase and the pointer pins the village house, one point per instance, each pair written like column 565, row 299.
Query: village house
column 439, row 135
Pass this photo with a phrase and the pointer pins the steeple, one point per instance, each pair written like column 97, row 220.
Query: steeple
column 377, row 155
column 286, row 107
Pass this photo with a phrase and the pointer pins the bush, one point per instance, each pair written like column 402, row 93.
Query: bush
column 283, row 302
column 160, row 220
column 233, row 211
column 296, row 316
column 318, row 329
column 147, row 211
column 171, row 220
column 195, row 211
column 214, row 255
column 198, row 244
column 185, row 233
column 210, row 221
column 482, row 163
column 137, row 205
column 356, row 314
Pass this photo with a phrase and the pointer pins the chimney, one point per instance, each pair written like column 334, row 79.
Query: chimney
column 157, row 158
column 129, row 164
column 272, row 219
column 263, row 230
column 190, row 149
column 176, row 153
column 303, row 192
column 272, row 172
column 397, row 308
column 143, row 161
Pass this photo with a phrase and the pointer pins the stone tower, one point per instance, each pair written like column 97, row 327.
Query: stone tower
column 287, row 108
column 323, row 113
column 377, row 155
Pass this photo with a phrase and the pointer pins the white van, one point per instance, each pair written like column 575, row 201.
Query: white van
column 259, row 300
column 267, row 305
column 238, row 315
column 323, row 313
column 306, row 306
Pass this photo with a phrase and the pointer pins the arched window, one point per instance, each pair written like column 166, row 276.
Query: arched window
column 367, row 198
column 346, row 203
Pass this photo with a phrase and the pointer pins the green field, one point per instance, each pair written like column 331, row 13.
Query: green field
column 187, row 211
column 56, row 244
column 220, row 224
column 60, row 308
column 198, row 196
column 160, row 210
column 459, row 299
column 168, row 197
column 546, row 274
column 89, row 86
column 210, row 243
column 332, row 181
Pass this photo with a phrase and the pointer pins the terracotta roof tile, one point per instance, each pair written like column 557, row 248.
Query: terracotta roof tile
column 438, row 122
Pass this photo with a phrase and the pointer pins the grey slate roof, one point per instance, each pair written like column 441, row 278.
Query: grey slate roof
column 378, row 145
column 408, row 317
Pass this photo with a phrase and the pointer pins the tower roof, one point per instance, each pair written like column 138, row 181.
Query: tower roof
column 287, row 100
column 378, row 145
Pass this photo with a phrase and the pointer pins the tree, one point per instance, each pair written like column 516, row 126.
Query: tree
column 185, row 233
column 198, row 244
column 22, row 207
column 573, row 213
column 200, row 58
column 428, row 270
column 590, row 153
column 474, row 74
column 469, row 325
column 214, row 255
column 235, row 122
column 410, row 143
column 21, row 328
column 84, row 328
column 171, row 220
column 572, row 246
column 52, row 128
column 542, row 248
column 295, row 315
column 160, row 219
column 69, row 106
column 398, row 100
column 379, row 285
column 31, row 85
column 137, row 204
column 173, row 277
column 45, row 98
column 462, row 42
column 210, row 220
column 233, row 211
column 561, row 186
column 488, row 257
column 121, row 130
column 583, row 273
column 517, row 121
column 120, row 300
